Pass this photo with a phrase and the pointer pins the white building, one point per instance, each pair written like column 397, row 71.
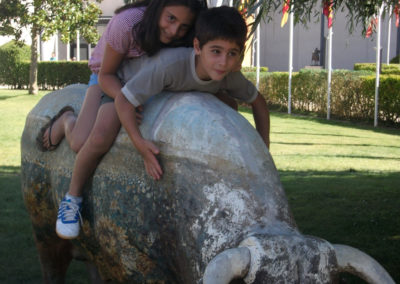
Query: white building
column 347, row 49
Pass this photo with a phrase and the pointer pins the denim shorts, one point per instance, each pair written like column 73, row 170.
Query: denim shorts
column 106, row 99
column 93, row 80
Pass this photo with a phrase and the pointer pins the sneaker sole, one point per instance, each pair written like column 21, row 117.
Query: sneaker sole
column 65, row 237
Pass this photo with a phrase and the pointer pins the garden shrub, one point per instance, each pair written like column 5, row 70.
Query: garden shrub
column 389, row 98
column 393, row 69
column 352, row 93
column 309, row 90
column 396, row 59
column 254, row 69
column 54, row 74
column 12, row 57
column 58, row 74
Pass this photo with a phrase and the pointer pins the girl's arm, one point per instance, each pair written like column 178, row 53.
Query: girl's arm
column 108, row 79
column 126, row 113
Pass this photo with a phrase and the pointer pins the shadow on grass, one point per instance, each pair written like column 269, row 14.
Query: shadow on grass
column 346, row 156
column 354, row 208
column 9, row 170
column 19, row 261
column 361, row 125
column 4, row 97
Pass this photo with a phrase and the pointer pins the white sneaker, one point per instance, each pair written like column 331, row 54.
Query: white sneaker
column 67, row 226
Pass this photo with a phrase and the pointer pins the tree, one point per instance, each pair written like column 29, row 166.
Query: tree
column 359, row 12
column 45, row 18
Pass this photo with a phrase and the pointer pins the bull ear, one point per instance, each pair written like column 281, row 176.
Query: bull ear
column 228, row 265
column 356, row 262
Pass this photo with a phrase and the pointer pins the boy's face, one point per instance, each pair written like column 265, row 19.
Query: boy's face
column 216, row 59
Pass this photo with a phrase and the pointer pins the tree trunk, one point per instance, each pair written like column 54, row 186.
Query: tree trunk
column 33, row 70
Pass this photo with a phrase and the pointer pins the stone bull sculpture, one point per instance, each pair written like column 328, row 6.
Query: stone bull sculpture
column 218, row 214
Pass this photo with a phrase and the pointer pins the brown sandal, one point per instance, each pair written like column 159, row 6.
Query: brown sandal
column 49, row 125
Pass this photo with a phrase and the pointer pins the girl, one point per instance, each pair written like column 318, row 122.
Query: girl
column 138, row 28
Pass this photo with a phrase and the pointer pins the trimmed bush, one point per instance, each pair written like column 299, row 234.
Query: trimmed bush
column 389, row 98
column 396, row 59
column 254, row 69
column 12, row 71
column 352, row 93
column 58, row 74
column 54, row 74
column 391, row 69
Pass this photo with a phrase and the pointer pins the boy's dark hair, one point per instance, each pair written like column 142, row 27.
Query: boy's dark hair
column 221, row 23
column 147, row 33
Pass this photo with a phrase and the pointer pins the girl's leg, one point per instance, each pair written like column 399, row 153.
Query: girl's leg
column 100, row 140
column 79, row 132
column 76, row 130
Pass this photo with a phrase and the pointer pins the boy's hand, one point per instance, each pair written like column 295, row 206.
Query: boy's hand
column 149, row 151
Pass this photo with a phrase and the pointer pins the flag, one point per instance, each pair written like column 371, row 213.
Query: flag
column 328, row 12
column 285, row 12
column 396, row 12
column 372, row 26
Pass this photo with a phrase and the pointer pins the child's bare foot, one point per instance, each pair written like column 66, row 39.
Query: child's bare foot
column 52, row 133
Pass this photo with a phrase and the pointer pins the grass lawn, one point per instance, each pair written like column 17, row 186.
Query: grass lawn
column 342, row 181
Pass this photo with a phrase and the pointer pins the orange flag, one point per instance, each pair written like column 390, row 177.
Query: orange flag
column 285, row 12
column 396, row 12
column 328, row 11
column 371, row 27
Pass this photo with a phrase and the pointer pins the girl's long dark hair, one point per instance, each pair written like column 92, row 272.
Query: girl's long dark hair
column 147, row 33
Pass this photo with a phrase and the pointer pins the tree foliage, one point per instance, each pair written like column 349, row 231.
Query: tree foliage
column 359, row 12
column 50, row 16
column 45, row 18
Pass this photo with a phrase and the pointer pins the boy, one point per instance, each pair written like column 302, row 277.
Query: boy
column 209, row 67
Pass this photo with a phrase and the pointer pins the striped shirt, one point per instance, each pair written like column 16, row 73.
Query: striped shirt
column 118, row 35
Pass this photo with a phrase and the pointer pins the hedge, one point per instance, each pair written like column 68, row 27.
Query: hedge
column 12, row 71
column 391, row 69
column 352, row 93
column 58, row 74
column 51, row 74
column 396, row 59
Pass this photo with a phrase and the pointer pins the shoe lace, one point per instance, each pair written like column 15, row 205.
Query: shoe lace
column 71, row 211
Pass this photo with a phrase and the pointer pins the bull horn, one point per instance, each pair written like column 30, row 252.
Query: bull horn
column 356, row 262
column 228, row 265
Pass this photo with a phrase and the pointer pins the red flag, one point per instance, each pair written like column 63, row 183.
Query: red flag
column 285, row 12
column 328, row 11
column 371, row 27
column 396, row 12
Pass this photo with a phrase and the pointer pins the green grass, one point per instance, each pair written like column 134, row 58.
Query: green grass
column 19, row 261
column 342, row 181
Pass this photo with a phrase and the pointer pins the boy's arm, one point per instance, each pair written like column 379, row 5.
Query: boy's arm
column 261, row 118
column 127, row 113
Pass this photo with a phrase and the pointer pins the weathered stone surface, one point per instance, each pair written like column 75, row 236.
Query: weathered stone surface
column 220, row 190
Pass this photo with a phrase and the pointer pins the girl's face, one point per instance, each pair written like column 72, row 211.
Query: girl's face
column 175, row 21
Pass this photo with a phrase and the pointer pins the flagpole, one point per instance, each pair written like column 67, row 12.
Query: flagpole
column 258, row 53
column 291, row 20
column 389, row 34
column 328, row 111
column 378, row 58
